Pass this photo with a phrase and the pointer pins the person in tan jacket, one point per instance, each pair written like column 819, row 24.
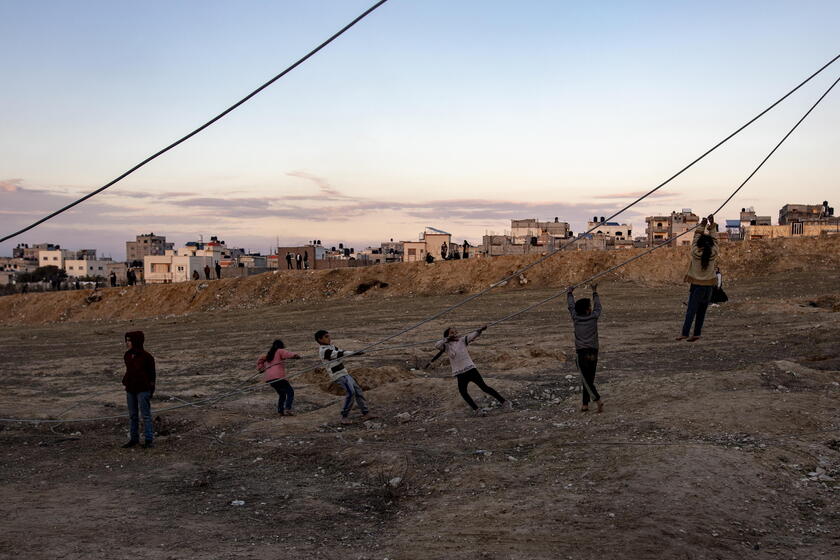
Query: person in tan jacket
column 701, row 276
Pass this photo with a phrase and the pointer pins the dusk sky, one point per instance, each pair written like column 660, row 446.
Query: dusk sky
column 459, row 115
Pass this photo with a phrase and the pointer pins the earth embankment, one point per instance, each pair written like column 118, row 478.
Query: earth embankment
column 665, row 266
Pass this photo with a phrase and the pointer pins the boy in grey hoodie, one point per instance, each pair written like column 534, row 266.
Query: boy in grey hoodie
column 585, row 321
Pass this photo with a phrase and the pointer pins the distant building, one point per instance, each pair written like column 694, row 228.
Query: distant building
column 146, row 244
column 805, row 213
column 749, row 218
column 392, row 251
column 101, row 268
column 659, row 228
column 25, row 251
column 430, row 243
column 54, row 257
column 613, row 230
column 523, row 232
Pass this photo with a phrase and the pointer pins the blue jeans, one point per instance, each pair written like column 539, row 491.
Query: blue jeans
column 353, row 392
column 140, row 404
column 698, row 301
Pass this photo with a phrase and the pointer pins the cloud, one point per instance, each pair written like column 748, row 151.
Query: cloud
column 634, row 195
column 10, row 185
column 322, row 183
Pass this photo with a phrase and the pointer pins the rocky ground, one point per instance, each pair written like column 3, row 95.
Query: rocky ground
column 724, row 448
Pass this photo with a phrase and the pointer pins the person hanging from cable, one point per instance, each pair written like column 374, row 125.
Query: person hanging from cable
column 701, row 276
column 331, row 357
column 273, row 367
column 463, row 368
column 139, row 381
column 585, row 320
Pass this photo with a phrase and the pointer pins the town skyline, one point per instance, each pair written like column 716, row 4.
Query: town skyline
column 385, row 132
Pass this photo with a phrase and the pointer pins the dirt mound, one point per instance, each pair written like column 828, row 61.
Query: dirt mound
column 666, row 266
column 368, row 378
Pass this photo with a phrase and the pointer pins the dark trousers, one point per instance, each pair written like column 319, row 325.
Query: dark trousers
column 472, row 375
column 587, row 359
column 698, row 302
column 285, row 394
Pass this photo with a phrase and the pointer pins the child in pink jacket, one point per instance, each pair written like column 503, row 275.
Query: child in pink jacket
column 274, row 373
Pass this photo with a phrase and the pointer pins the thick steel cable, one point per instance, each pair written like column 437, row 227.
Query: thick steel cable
column 202, row 127
column 508, row 317
column 669, row 240
column 626, row 207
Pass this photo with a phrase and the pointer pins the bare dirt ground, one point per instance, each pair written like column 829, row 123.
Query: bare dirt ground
column 725, row 448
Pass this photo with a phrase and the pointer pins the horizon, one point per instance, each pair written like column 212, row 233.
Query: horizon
column 408, row 120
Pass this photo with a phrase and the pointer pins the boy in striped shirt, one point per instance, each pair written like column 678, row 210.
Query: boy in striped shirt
column 331, row 357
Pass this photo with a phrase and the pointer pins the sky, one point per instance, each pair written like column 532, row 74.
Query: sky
column 457, row 115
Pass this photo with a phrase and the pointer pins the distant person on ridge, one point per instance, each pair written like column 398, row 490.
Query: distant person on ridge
column 701, row 276
column 306, row 260
column 289, row 261
column 585, row 320
column 218, row 271
column 113, row 279
column 195, row 275
column 463, row 368
column 139, row 381
column 298, row 261
column 274, row 373
column 207, row 272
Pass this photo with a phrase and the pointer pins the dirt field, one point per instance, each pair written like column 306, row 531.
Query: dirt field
column 724, row 448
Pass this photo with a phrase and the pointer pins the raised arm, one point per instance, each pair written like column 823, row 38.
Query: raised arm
column 570, row 300
column 596, row 311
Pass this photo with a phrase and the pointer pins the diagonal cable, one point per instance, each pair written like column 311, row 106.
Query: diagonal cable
column 200, row 128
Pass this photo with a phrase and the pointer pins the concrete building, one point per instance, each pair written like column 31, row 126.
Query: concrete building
column 524, row 231
column 805, row 213
column 17, row 264
column 25, row 251
column 392, row 251
column 172, row 267
column 661, row 227
column 414, row 251
column 95, row 268
column 749, row 218
column 146, row 244
column 430, row 243
column 795, row 229
column 613, row 230
column 54, row 257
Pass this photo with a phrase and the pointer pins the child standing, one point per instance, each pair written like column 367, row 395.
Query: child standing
column 463, row 368
column 585, row 321
column 331, row 357
column 139, row 381
column 274, row 373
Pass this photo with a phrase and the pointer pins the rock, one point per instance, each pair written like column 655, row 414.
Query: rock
column 484, row 452
column 512, row 458
column 394, row 482
column 238, row 503
column 403, row 417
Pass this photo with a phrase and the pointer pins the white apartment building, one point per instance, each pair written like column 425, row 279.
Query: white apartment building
column 611, row 229
column 55, row 257
column 79, row 268
column 179, row 265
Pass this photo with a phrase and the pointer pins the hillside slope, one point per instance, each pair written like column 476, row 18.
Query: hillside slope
column 666, row 266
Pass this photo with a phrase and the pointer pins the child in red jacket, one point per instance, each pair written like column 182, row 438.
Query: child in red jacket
column 139, row 381
column 274, row 368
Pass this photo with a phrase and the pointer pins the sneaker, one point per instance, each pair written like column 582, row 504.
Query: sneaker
column 148, row 444
column 130, row 443
column 369, row 416
column 507, row 406
column 345, row 420
column 290, row 412
column 479, row 412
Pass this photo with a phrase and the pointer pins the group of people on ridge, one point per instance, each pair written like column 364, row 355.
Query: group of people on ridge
column 702, row 275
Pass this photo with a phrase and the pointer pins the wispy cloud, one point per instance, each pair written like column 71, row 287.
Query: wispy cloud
column 636, row 194
column 10, row 185
column 324, row 185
